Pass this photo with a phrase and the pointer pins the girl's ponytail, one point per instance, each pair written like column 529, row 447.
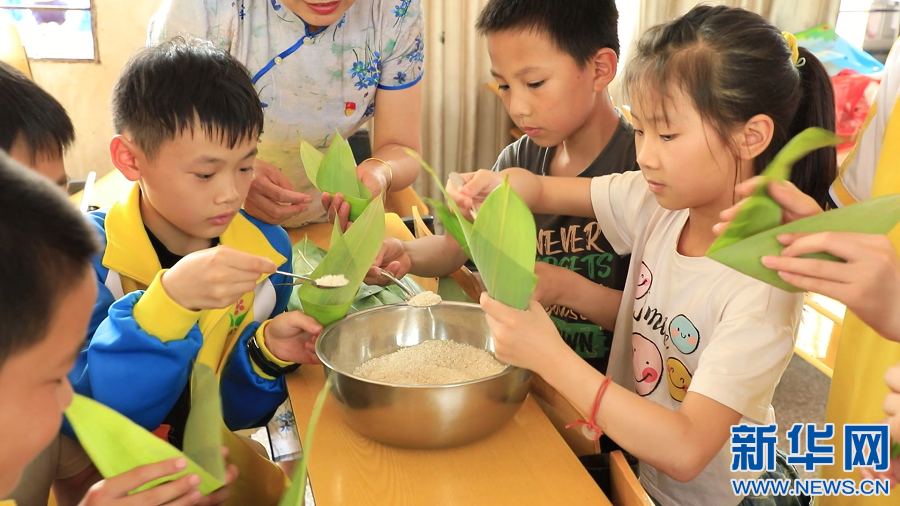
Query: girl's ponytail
column 815, row 172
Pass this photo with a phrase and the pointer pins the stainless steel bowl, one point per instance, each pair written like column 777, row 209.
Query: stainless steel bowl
column 427, row 416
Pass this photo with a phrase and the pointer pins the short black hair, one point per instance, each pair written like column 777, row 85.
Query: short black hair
column 45, row 251
column 579, row 28
column 182, row 84
column 33, row 114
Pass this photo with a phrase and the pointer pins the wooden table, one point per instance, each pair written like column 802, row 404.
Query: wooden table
column 526, row 462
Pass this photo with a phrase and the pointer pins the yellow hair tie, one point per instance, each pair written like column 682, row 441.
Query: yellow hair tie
column 795, row 50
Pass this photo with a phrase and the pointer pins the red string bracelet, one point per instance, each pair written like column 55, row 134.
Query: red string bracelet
column 593, row 431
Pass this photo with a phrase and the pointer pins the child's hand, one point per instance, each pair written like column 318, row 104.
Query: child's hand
column 338, row 209
column 868, row 283
column 221, row 495
column 291, row 337
column 114, row 491
column 393, row 258
column 524, row 339
column 478, row 185
column 214, row 278
column 795, row 204
column 272, row 197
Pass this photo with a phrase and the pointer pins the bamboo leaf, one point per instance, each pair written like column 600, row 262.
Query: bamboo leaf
column 337, row 173
column 761, row 212
column 501, row 242
column 202, row 433
column 296, row 493
column 350, row 254
column 449, row 289
column 875, row 216
column 117, row 445
column 311, row 158
column 463, row 232
column 306, row 256
column 503, row 247
column 451, row 224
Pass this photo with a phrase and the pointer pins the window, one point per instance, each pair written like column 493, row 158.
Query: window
column 53, row 29
column 869, row 24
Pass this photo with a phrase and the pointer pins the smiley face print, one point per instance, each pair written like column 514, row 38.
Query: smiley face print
column 684, row 334
column 679, row 378
column 645, row 279
column 647, row 364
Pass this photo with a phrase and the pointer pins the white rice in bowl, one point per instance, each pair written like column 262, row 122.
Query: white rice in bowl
column 432, row 362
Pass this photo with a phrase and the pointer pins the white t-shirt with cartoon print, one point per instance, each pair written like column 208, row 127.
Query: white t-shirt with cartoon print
column 691, row 324
column 310, row 82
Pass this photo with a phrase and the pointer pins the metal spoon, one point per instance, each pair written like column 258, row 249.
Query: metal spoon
column 409, row 293
column 303, row 279
column 458, row 182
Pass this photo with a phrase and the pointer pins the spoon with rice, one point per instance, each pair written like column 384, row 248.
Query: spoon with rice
column 424, row 299
column 327, row 281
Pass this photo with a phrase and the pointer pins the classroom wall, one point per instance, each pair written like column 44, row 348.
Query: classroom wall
column 84, row 88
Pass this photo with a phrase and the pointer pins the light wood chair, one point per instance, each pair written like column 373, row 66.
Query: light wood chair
column 626, row 489
column 824, row 363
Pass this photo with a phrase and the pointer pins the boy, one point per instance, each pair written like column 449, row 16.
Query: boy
column 553, row 62
column 37, row 132
column 185, row 275
column 35, row 129
column 45, row 299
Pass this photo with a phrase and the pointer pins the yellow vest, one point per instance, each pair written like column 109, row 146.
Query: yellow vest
column 857, row 386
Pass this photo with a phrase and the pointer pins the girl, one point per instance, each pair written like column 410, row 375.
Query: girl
column 698, row 347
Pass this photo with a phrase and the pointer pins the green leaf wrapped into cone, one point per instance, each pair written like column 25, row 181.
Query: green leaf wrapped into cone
column 876, row 216
column 753, row 232
column 202, row 442
column 350, row 254
column 502, row 241
column 503, row 244
column 116, row 444
column 335, row 172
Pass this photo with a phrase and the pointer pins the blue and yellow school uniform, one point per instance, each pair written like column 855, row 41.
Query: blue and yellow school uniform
column 141, row 345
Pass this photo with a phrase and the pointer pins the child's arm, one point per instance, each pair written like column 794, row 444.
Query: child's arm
column 252, row 389
column 139, row 358
column 565, row 196
column 563, row 287
column 433, row 256
column 679, row 443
